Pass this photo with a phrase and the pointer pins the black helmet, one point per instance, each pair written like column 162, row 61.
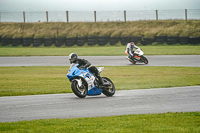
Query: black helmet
column 73, row 57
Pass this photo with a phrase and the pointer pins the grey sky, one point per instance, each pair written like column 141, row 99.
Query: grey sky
column 98, row 5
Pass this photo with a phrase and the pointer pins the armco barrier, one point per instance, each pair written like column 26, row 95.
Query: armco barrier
column 100, row 40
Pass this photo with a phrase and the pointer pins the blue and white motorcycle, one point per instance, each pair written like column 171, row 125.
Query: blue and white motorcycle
column 84, row 83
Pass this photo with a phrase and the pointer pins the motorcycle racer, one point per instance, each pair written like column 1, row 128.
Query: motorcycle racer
column 130, row 49
column 73, row 57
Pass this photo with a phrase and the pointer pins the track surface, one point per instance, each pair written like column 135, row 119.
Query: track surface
column 160, row 60
column 177, row 99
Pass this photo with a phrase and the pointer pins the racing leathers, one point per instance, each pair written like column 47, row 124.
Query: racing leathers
column 130, row 49
column 84, row 64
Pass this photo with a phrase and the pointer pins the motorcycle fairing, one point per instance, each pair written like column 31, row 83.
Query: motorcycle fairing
column 94, row 91
column 87, row 76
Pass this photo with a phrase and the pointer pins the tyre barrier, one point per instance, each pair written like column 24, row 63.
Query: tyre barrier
column 103, row 40
column 59, row 41
column 184, row 40
column 147, row 40
column 194, row 40
column 37, row 42
column 161, row 39
column 172, row 40
column 27, row 41
column 6, row 41
column 70, row 41
column 91, row 40
column 48, row 41
column 17, row 41
column 136, row 39
column 114, row 40
column 81, row 40
column 125, row 40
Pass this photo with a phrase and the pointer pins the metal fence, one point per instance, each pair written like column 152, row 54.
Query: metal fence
column 99, row 16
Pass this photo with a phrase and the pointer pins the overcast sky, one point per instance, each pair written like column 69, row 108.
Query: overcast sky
column 98, row 5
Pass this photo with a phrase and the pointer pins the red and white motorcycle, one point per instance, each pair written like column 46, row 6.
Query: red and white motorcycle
column 138, row 57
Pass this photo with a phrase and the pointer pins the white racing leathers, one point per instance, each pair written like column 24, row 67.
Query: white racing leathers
column 130, row 49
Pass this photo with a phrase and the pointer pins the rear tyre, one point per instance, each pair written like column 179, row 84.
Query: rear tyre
column 80, row 92
column 108, row 90
column 132, row 60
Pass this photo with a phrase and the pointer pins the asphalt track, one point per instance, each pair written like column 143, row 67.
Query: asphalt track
column 158, row 60
column 145, row 101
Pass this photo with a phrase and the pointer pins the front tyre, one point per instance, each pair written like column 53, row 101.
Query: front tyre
column 80, row 92
column 144, row 59
column 108, row 90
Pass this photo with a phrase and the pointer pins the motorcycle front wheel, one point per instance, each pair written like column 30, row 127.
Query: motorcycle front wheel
column 108, row 90
column 145, row 60
column 80, row 92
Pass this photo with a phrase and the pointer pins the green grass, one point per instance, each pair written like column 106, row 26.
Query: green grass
column 99, row 51
column 49, row 80
column 155, row 123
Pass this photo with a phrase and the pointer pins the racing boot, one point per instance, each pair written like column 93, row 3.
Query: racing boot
column 101, row 83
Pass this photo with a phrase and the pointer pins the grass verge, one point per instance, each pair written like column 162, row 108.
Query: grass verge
column 49, row 80
column 99, row 51
column 159, row 123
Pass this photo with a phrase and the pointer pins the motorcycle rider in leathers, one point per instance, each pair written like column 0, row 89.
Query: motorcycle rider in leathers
column 73, row 57
column 130, row 49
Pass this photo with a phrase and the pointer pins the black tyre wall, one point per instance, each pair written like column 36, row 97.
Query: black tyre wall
column 194, row 40
column 172, row 40
column 49, row 41
column 114, row 40
column 161, row 39
column 147, row 40
column 37, row 42
column 70, row 41
column 59, row 41
column 184, row 40
column 27, row 41
column 81, row 40
column 16, row 41
column 125, row 40
column 6, row 41
column 92, row 40
column 103, row 40
column 136, row 39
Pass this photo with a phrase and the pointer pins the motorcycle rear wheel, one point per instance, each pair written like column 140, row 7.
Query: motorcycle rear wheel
column 108, row 90
column 80, row 92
